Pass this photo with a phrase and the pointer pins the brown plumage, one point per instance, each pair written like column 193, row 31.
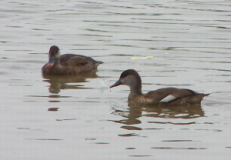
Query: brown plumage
column 165, row 96
column 68, row 63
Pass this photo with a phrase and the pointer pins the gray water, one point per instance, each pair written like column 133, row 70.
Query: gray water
column 73, row 117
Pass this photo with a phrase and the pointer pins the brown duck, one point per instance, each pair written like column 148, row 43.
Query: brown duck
column 163, row 96
column 68, row 63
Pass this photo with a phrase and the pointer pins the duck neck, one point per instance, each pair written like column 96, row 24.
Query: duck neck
column 136, row 87
column 53, row 60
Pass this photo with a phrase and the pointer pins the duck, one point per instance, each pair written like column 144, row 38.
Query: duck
column 68, row 64
column 163, row 96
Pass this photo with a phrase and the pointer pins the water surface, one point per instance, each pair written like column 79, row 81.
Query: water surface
column 73, row 117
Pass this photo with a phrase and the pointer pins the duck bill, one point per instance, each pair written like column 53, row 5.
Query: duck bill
column 116, row 84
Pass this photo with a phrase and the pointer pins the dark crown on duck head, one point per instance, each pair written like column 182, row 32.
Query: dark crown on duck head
column 126, row 73
column 129, row 72
column 53, row 54
column 53, row 51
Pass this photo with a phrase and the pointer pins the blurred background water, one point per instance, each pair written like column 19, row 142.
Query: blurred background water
column 171, row 43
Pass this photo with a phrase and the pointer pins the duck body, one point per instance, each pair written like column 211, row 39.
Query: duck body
column 163, row 96
column 68, row 63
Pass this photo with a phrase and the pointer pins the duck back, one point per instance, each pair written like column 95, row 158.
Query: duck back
column 168, row 96
column 71, row 64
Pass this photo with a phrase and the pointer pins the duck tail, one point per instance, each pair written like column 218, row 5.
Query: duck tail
column 199, row 97
column 98, row 63
column 203, row 95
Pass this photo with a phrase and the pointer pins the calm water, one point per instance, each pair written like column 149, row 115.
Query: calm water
column 74, row 117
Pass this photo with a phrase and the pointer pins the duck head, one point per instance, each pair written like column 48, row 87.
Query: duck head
column 130, row 78
column 54, row 54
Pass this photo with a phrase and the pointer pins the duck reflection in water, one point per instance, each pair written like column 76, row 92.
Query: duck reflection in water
column 134, row 112
column 61, row 82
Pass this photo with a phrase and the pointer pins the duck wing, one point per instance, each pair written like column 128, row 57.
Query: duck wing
column 68, row 59
column 76, row 64
column 167, row 95
column 76, row 59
